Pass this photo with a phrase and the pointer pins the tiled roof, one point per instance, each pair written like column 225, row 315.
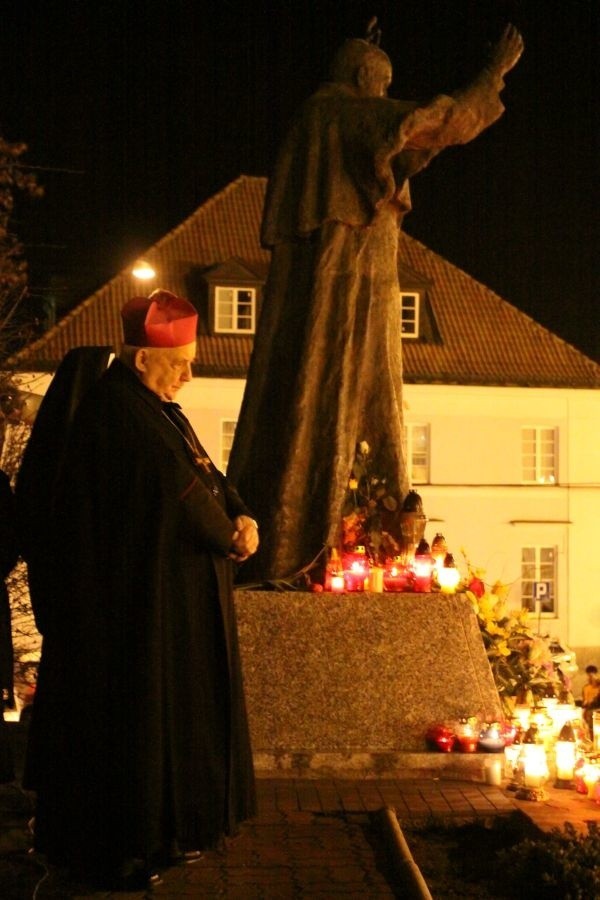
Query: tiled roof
column 484, row 340
column 225, row 226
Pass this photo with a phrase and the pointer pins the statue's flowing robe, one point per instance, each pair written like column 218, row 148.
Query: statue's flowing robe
column 326, row 370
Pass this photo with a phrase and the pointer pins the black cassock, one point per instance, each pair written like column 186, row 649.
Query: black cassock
column 139, row 733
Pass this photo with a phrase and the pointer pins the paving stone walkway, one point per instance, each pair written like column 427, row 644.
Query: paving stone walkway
column 311, row 838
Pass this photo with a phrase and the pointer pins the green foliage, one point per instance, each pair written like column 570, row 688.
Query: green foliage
column 562, row 865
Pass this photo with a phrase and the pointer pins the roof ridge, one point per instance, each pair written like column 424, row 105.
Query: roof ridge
column 484, row 338
column 205, row 207
column 594, row 366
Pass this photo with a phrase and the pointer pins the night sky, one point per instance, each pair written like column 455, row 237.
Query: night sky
column 144, row 110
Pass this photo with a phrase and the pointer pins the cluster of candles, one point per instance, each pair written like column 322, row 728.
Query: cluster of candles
column 547, row 740
column 430, row 568
column 471, row 735
column 579, row 766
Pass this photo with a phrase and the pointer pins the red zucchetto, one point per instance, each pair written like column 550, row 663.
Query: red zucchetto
column 160, row 320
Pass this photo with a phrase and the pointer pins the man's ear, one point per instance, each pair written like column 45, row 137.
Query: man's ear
column 140, row 360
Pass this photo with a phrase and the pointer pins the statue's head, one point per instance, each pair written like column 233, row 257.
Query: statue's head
column 363, row 66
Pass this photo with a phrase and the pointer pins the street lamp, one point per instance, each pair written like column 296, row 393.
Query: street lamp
column 142, row 270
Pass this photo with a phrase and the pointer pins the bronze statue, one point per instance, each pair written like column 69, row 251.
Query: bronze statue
column 326, row 370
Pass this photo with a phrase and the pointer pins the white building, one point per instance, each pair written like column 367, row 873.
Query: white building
column 502, row 416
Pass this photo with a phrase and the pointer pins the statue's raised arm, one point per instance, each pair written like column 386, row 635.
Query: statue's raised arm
column 507, row 51
column 326, row 369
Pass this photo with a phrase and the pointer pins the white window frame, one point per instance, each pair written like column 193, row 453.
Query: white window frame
column 229, row 297
column 539, row 445
column 540, row 566
column 410, row 306
column 228, row 427
column 419, row 471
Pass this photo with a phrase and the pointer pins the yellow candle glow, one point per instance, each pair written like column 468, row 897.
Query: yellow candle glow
column 535, row 767
column 565, row 760
column 591, row 774
column 376, row 579
column 448, row 578
column 523, row 714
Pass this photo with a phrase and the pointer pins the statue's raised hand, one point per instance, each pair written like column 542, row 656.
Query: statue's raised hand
column 505, row 54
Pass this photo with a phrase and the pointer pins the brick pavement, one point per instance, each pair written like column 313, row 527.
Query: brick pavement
column 311, row 838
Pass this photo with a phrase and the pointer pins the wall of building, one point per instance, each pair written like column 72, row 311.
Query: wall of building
column 207, row 402
column 475, row 496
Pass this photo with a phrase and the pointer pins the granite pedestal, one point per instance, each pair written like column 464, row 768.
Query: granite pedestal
column 352, row 681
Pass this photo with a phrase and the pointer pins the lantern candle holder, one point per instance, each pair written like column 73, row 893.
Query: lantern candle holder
column 422, row 568
column 337, row 584
column 467, row 734
column 591, row 776
column 491, row 739
column 578, row 776
column 534, row 767
column 396, row 576
column 441, row 737
column 356, row 569
column 565, row 758
column 448, row 576
column 412, row 521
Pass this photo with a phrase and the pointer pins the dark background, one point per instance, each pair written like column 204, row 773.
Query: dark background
column 147, row 109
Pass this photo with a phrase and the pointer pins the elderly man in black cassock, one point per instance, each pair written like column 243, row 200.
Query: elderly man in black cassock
column 139, row 749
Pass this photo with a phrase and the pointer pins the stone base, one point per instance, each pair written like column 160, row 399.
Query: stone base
column 358, row 676
column 457, row 766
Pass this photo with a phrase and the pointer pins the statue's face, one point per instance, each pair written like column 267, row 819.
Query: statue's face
column 375, row 76
column 164, row 370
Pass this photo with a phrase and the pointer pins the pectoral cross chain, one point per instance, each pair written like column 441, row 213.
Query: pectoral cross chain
column 203, row 461
column 173, row 413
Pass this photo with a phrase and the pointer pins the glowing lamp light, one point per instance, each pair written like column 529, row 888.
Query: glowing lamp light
column 578, row 776
column 564, row 750
column 448, row 575
column 493, row 771
column 439, row 548
column 376, row 579
column 356, row 569
column 561, row 714
column 543, row 722
column 396, row 576
column 467, row 734
column 333, row 570
column 534, row 765
column 596, row 729
column 337, row 584
column 441, row 737
column 523, row 715
column 591, row 776
column 491, row 739
column 142, row 270
column 422, row 568
column 509, row 731
column 511, row 758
